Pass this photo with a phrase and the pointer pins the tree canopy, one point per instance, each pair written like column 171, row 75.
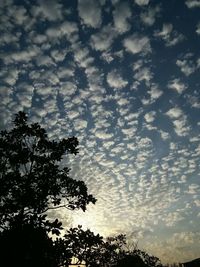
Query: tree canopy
column 31, row 178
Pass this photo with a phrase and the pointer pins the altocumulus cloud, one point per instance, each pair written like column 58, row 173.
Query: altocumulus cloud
column 119, row 76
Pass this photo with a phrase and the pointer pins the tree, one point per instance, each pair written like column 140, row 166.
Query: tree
column 31, row 178
column 32, row 181
column 149, row 260
column 92, row 249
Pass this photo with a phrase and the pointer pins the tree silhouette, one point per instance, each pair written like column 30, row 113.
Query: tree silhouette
column 31, row 179
column 92, row 249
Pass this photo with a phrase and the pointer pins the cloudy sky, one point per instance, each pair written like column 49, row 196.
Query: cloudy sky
column 122, row 76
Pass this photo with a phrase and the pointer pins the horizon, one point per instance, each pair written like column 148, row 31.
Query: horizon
column 123, row 77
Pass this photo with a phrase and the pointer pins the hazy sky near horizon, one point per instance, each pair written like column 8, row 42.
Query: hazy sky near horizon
column 124, row 77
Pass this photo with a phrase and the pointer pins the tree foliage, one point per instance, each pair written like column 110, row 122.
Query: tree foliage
column 93, row 249
column 31, row 178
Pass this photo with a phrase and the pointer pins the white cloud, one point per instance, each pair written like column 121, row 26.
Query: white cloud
column 186, row 66
column 67, row 29
column 137, row 43
column 179, row 121
column 82, row 56
column 177, row 85
column 121, row 14
column 115, row 80
column 12, row 76
column 148, row 17
column 44, row 60
column 20, row 14
column 193, row 189
column 90, row 12
column 181, row 127
column 174, row 113
column 194, row 101
column 155, row 92
column 192, row 3
column 143, row 74
column 198, row 29
column 166, row 30
column 103, row 135
column 170, row 36
column 197, row 202
column 150, row 116
column 164, row 135
column 50, row 10
column 67, row 89
column 142, row 2
column 80, row 124
column 23, row 55
column 103, row 39
column 58, row 55
column 173, row 218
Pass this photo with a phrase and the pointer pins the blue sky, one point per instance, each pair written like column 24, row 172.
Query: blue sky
column 123, row 76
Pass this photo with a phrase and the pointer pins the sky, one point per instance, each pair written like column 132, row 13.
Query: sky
column 122, row 76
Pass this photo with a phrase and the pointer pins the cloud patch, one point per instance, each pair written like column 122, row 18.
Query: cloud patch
column 90, row 13
column 137, row 43
column 115, row 80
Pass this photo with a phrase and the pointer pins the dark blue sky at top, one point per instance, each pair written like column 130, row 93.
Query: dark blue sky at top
column 123, row 76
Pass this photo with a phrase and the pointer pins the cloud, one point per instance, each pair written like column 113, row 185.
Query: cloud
column 194, row 101
column 179, row 121
column 148, row 17
column 25, row 55
column 192, row 3
column 82, row 57
column 50, row 10
column 115, row 80
column 137, row 43
column 103, row 39
column 155, row 92
column 58, row 55
column 66, row 29
column 166, row 30
column 20, row 14
column 173, row 218
column 121, row 14
column 44, row 60
column 170, row 36
column 186, row 66
column 12, row 76
column 177, row 85
column 181, row 127
column 193, row 189
column 57, row 74
column 103, row 135
column 164, row 135
column 90, row 12
column 142, row 2
column 150, row 116
column 174, row 113
column 185, row 243
column 198, row 29
column 144, row 74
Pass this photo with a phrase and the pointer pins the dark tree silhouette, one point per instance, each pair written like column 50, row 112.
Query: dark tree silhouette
column 130, row 261
column 31, row 179
column 92, row 249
